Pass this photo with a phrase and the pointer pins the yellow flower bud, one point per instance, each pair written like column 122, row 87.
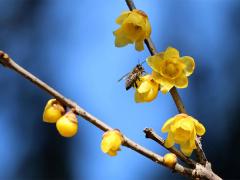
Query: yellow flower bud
column 67, row 125
column 170, row 159
column 53, row 111
column 111, row 142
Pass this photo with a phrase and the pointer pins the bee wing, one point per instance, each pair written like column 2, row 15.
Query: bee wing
column 123, row 77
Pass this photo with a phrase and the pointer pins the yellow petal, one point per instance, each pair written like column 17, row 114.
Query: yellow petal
column 189, row 64
column 144, row 87
column 167, row 124
column 192, row 139
column 112, row 153
column 200, row 129
column 171, row 53
column 155, row 62
column 120, row 39
column 148, row 29
column 186, row 149
column 136, row 19
column 169, row 141
column 182, row 81
column 138, row 97
column 122, row 17
column 152, row 94
column 139, row 45
column 105, row 146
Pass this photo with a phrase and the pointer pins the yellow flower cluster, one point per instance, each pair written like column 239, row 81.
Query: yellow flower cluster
column 134, row 28
column 146, row 90
column 111, row 142
column 66, row 123
column 183, row 130
column 169, row 69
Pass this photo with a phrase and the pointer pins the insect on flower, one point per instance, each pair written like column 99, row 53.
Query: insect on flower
column 133, row 76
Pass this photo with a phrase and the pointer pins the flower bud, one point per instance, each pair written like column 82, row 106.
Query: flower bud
column 111, row 142
column 53, row 111
column 67, row 125
column 170, row 159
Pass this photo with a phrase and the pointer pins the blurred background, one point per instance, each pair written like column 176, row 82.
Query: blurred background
column 70, row 45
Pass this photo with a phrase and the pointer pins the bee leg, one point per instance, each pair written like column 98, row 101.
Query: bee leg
column 135, row 85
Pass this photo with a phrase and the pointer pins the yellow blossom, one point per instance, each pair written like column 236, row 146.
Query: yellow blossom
column 111, row 142
column 170, row 159
column 53, row 111
column 183, row 130
column 169, row 69
column 147, row 89
column 67, row 125
column 134, row 28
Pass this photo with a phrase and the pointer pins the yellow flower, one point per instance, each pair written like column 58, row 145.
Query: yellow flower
column 67, row 125
column 111, row 142
column 53, row 111
column 183, row 130
column 170, row 159
column 147, row 89
column 169, row 69
column 135, row 27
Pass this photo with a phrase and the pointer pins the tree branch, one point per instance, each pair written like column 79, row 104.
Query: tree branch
column 155, row 137
column 173, row 91
column 6, row 61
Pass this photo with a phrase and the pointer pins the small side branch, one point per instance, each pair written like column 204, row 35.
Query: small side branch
column 155, row 137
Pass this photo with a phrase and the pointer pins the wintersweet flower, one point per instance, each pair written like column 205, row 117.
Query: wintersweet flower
column 135, row 27
column 147, row 89
column 53, row 111
column 169, row 69
column 111, row 142
column 183, row 130
column 67, row 125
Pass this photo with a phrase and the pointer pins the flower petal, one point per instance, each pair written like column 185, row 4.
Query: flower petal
column 144, row 87
column 199, row 128
column 139, row 45
column 120, row 40
column 186, row 149
column 181, row 81
column 155, row 62
column 138, row 97
column 167, row 124
column 169, row 141
column 122, row 17
column 112, row 153
column 148, row 28
column 171, row 53
column 152, row 94
column 189, row 64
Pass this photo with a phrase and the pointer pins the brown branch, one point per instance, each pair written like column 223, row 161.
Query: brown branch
column 154, row 136
column 9, row 63
column 173, row 91
column 6, row 61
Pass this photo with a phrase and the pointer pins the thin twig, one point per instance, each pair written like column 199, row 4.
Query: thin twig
column 173, row 91
column 6, row 61
column 149, row 132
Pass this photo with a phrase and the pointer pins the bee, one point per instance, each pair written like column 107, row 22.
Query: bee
column 133, row 76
